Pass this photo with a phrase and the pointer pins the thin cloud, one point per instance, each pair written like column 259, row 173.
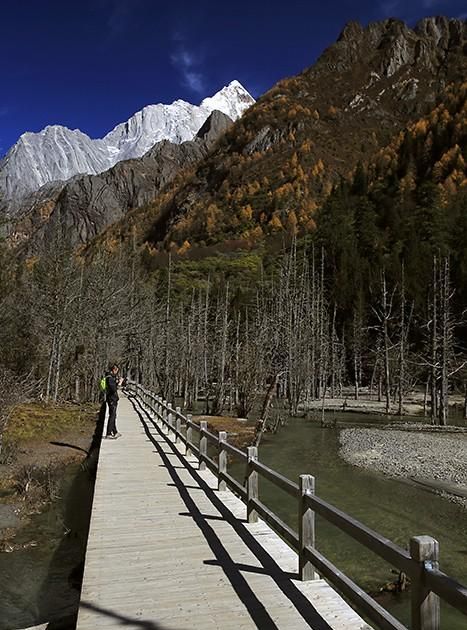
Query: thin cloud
column 121, row 15
column 187, row 63
column 388, row 7
column 195, row 81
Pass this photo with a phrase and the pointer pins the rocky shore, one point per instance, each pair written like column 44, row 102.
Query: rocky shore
column 434, row 460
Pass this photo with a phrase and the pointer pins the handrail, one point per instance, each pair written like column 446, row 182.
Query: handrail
column 363, row 602
column 449, row 589
column 211, row 437
column 233, row 450
column 279, row 480
column 383, row 547
column 421, row 564
column 277, row 524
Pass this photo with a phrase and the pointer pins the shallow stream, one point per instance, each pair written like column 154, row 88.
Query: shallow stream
column 41, row 583
column 396, row 509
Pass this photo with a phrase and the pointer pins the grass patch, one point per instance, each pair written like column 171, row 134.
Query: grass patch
column 240, row 434
column 40, row 421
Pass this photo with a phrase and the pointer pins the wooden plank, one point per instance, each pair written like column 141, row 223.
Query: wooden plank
column 252, row 485
column 425, row 604
column 385, row 548
column 277, row 479
column 306, row 527
column 452, row 591
column 164, row 552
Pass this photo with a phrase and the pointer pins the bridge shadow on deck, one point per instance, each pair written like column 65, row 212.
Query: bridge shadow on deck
column 122, row 620
column 232, row 570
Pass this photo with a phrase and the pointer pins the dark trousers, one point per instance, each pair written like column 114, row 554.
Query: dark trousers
column 111, row 426
column 102, row 411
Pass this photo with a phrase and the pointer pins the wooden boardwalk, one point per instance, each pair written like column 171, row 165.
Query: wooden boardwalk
column 166, row 551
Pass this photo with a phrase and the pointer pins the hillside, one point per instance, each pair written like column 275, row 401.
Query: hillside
column 276, row 166
column 83, row 207
column 292, row 251
column 408, row 203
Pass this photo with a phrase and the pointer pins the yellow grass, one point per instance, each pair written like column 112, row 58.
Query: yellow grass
column 46, row 421
column 239, row 433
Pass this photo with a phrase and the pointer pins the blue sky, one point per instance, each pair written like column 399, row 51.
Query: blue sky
column 90, row 64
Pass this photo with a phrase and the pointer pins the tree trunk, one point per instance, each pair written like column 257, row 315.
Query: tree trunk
column 58, row 365
column 402, row 346
column 434, row 346
column 444, row 385
column 387, row 383
column 261, row 424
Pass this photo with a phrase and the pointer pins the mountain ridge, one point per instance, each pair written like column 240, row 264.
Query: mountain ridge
column 85, row 205
column 57, row 153
column 274, row 168
column 311, row 130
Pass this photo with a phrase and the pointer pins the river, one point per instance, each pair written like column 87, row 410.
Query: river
column 394, row 508
column 42, row 583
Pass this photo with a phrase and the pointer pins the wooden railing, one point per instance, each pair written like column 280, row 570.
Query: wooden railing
column 428, row 583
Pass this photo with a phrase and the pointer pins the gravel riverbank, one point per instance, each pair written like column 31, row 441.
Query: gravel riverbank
column 436, row 461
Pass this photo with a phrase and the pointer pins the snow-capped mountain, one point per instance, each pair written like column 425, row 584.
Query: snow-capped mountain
column 57, row 153
column 177, row 122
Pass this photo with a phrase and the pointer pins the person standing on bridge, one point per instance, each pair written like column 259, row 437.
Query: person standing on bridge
column 111, row 397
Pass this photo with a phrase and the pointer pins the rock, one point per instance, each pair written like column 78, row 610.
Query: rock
column 8, row 517
column 86, row 205
column 434, row 460
column 57, row 153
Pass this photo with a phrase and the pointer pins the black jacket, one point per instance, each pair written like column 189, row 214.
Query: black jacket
column 111, row 391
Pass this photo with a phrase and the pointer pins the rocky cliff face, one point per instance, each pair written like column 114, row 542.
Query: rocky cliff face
column 388, row 59
column 286, row 153
column 57, row 153
column 85, row 205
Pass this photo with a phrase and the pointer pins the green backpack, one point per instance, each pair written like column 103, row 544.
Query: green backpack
column 103, row 384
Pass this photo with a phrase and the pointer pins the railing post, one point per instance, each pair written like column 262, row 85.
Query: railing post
column 158, row 408
column 221, row 485
column 252, row 485
column 170, row 419
column 306, row 527
column 203, row 444
column 189, row 434
column 425, row 603
column 178, row 424
column 164, row 414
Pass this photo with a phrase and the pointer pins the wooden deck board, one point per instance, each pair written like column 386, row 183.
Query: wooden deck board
column 164, row 554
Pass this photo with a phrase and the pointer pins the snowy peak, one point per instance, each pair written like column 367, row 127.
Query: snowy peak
column 232, row 100
column 177, row 122
column 57, row 153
